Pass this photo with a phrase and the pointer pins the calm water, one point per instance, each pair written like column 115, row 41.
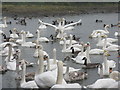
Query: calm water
column 83, row 31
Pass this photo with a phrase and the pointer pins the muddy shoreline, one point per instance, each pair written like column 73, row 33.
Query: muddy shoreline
column 57, row 9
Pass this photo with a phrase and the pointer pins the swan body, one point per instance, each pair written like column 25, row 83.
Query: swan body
column 42, row 26
column 102, row 83
column 116, row 34
column 110, row 40
column 112, row 48
column 96, row 51
column 5, row 43
column 115, row 85
column 29, row 35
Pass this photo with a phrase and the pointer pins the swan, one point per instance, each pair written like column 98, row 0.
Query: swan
column 47, row 79
column 5, row 24
column 5, row 51
column 103, row 32
column 29, row 35
column 106, row 65
column 115, row 85
column 59, row 81
column 5, row 43
column 20, row 41
column 10, row 60
column 41, row 39
column 36, row 53
column 116, row 34
column 69, row 49
column 69, row 42
column 102, row 83
column 61, row 26
column 101, row 43
column 111, row 40
column 76, row 75
column 23, row 83
column 113, row 48
column 14, row 35
column 27, row 44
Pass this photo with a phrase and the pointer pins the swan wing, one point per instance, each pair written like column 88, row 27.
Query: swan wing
column 47, row 24
column 71, row 24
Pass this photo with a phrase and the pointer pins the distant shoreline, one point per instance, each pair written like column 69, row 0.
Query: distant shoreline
column 56, row 9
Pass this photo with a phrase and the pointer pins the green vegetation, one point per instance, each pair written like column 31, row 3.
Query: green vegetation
column 53, row 8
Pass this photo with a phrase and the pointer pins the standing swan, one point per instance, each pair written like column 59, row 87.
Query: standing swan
column 5, row 24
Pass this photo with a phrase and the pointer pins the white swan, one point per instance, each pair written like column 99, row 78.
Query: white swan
column 27, row 44
column 20, row 41
column 14, row 35
column 10, row 60
column 116, row 34
column 59, row 81
column 61, row 27
column 29, row 35
column 103, row 32
column 106, row 65
column 5, row 24
column 69, row 49
column 69, row 42
column 47, row 79
column 5, row 43
column 113, row 48
column 23, row 83
column 41, row 39
column 101, row 43
column 102, row 83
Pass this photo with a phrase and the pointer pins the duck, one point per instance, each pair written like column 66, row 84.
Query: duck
column 47, row 79
column 30, row 84
column 3, row 70
column 59, row 81
column 29, row 35
column 5, row 24
column 41, row 39
column 14, row 35
column 27, row 44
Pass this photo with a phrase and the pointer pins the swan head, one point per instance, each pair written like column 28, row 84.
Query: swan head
column 40, row 46
column 107, row 26
column 14, row 29
column 87, row 44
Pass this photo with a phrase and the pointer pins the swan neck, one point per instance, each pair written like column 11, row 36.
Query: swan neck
column 63, row 22
column 24, row 38
column 54, row 56
column 64, row 46
column 10, row 53
column 38, row 34
column 23, row 73
column 41, row 63
column 104, row 45
column 60, row 72
column 106, row 67
column 5, row 22
column 87, row 54
column 48, row 64
column 106, row 29
column 70, row 44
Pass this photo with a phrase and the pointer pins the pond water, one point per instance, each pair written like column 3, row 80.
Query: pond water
column 83, row 31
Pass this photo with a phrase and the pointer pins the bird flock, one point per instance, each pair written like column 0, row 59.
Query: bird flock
column 50, row 72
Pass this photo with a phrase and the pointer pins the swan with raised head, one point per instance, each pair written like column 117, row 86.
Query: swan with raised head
column 27, row 44
column 106, row 65
column 47, row 79
column 5, row 24
column 59, row 82
column 41, row 39
column 23, row 83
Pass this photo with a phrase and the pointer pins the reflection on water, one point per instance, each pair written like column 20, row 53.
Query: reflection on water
column 83, row 31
